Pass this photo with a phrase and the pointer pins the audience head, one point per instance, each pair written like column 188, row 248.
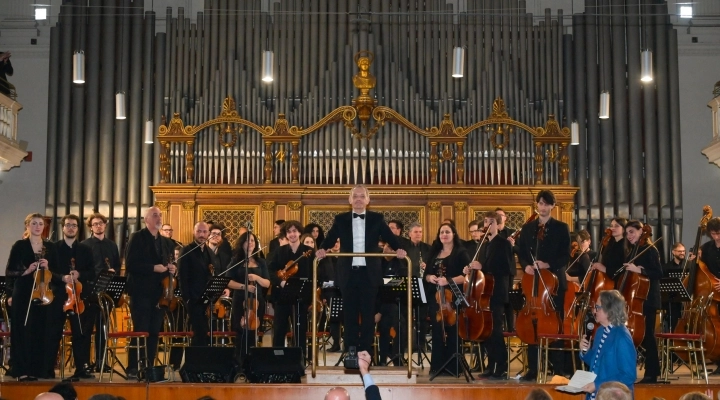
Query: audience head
column 613, row 391
column 105, row 396
column 65, row 389
column 337, row 393
column 538, row 394
column 695, row 396
column 48, row 396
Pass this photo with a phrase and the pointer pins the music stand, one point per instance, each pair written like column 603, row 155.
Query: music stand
column 296, row 291
column 336, row 315
column 458, row 357
column 393, row 292
column 102, row 282
column 418, row 298
column 213, row 290
column 115, row 288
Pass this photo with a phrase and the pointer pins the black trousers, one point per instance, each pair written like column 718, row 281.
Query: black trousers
column 649, row 343
column 556, row 358
column 198, row 322
column 284, row 313
column 146, row 317
column 359, row 305
column 497, row 353
column 81, row 341
column 443, row 345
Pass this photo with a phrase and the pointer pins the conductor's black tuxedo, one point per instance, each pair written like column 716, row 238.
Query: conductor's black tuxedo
column 359, row 284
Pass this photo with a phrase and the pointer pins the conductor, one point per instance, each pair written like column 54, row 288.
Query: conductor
column 358, row 277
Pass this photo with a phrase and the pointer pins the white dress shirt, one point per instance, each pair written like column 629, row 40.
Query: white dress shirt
column 358, row 230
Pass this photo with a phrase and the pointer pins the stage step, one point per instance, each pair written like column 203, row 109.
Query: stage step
column 341, row 376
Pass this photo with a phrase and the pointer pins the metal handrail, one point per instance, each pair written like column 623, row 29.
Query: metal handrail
column 315, row 299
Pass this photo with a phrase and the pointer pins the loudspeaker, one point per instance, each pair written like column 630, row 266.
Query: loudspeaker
column 274, row 365
column 209, row 365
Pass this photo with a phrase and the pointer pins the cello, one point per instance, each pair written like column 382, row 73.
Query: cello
column 699, row 284
column 596, row 281
column 571, row 299
column 539, row 314
column 475, row 323
column 635, row 288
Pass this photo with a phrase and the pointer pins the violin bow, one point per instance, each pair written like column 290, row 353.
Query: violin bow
column 242, row 261
column 212, row 235
column 651, row 245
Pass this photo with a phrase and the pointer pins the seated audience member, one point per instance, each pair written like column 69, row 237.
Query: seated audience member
column 48, row 396
column 538, row 394
column 105, row 396
column 65, row 389
column 696, row 396
column 337, row 393
column 613, row 391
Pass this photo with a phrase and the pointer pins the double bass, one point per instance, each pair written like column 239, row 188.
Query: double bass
column 475, row 323
column 699, row 284
column 635, row 288
column 538, row 315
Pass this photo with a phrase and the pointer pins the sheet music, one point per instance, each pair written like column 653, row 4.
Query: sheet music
column 578, row 380
column 422, row 290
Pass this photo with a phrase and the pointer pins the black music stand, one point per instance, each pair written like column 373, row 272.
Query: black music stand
column 213, row 290
column 458, row 357
column 115, row 288
column 393, row 292
column 102, row 282
column 336, row 315
column 297, row 291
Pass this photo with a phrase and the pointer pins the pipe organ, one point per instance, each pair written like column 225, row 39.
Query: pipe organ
column 362, row 93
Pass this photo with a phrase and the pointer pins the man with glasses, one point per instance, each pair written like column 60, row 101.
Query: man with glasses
column 105, row 257
column 75, row 264
column 471, row 245
column 167, row 231
column 674, row 269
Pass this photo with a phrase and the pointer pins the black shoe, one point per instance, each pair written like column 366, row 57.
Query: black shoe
column 487, row 374
column 83, row 374
column 106, row 369
column 132, row 374
column 499, row 375
column 27, row 378
column 647, row 379
column 529, row 377
column 334, row 349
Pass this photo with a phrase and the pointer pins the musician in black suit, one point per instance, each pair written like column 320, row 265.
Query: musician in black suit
column 220, row 250
column 194, row 267
column 504, row 231
column 545, row 244
column 359, row 278
column 146, row 262
column 496, row 259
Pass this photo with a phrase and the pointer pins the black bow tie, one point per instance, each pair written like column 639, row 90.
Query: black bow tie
column 361, row 216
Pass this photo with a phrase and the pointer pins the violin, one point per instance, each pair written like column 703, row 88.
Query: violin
column 291, row 268
column 251, row 315
column 443, row 296
column 42, row 294
column 169, row 283
column 73, row 304
column 538, row 315
column 635, row 288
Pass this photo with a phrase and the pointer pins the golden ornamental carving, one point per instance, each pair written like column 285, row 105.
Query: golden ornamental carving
column 267, row 205
column 162, row 205
column 175, row 129
column 461, row 206
column 295, row 205
column 567, row 207
column 188, row 205
column 434, row 206
column 552, row 133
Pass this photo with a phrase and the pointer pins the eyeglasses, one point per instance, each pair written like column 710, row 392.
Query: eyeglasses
column 71, row 226
column 598, row 307
column 167, row 230
column 98, row 223
column 474, row 231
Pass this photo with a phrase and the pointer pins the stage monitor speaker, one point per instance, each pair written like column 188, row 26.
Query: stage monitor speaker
column 209, row 365
column 274, row 365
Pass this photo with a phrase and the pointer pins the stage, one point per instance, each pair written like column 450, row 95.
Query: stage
column 443, row 387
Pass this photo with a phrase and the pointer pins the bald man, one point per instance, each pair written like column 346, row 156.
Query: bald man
column 337, row 393
column 147, row 261
column 194, row 267
column 49, row 396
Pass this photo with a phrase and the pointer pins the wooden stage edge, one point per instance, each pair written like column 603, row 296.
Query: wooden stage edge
column 190, row 391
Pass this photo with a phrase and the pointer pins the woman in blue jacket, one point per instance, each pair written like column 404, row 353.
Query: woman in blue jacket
column 612, row 356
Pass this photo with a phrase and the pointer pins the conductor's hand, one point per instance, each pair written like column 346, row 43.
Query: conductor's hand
column 364, row 362
column 320, row 254
column 401, row 253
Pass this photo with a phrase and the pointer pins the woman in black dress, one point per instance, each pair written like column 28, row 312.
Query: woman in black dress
column 446, row 261
column 258, row 282
column 31, row 351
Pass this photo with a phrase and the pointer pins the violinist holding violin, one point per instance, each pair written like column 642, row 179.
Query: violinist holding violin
column 146, row 260
column 647, row 264
column 75, row 265
column 31, row 343
column 194, row 272
column 579, row 257
column 285, row 259
column 247, row 247
column 496, row 258
column 544, row 243
column 445, row 262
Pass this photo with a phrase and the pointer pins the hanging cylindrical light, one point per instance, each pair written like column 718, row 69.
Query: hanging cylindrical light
column 120, row 105
column 458, row 62
column 604, row 105
column 149, row 134
column 79, row 67
column 646, row 64
column 267, row 65
column 574, row 133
